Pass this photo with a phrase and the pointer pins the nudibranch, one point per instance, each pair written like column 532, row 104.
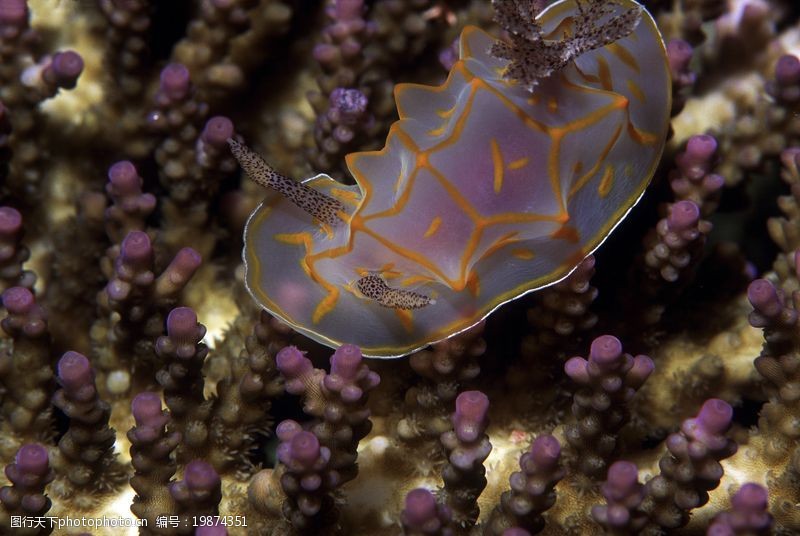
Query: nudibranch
column 487, row 188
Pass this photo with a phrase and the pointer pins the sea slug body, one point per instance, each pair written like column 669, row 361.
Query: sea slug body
column 483, row 192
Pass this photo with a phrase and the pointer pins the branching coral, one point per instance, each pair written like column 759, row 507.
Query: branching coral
column 12, row 253
column 466, row 447
column 624, row 495
column 532, row 489
column 422, row 515
column 29, row 474
column 133, row 375
column 86, row 459
column 692, row 468
column 608, row 381
column 151, row 449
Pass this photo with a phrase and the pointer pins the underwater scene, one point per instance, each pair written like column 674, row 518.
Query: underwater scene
column 400, row 267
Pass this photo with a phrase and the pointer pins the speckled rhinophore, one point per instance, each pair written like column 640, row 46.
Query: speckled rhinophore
column 483, row 192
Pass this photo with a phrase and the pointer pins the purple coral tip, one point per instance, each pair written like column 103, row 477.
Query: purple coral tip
column 18, row 300
column 217, row 131
column 787, row 70
column 67, row 66
column 182, row 323
column 200, row 475
column 516, row 531
column 701, row 146
column 683, row 215
column 790, row 157
column 472, row 405
column 715, row 416
column 469, row 419
column 679, row 53
column 605, row 349
column 186, row 261
column 292, row 362
column 764, row 297
column 750, row 497
column 622, row 477
column 146, row 407
column 32, row 459
column 420, row 507
column 136, row 247
column 10, row 221
column 74, row 370
column 325, row 53
column 575, row 368
column 546, row 451
column 287, row 429
column 643, row 366
column 175, row 81
column 13, row 12
column 304, row 447
column 346, row 360
column 123, row 175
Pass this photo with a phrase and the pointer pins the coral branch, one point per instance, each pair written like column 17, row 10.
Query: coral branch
column 562, row 310
column 61, row 70
column 785, row 88
column 608, row 381
column 444, row 369
column 423, row 516
column 136, row 303
column 785, row 231
column 130, row 207
column 12, row 253
column 126, row 33
column 624, row 494
column 87, row 456
column 177, row 274
column 779, row 365
column 343, row 120
column 152, row 449
column 198, row 494
column 678, row 240
column 26, row 80
column 344, row 124
column 692, row 179
column 183, row 353
column 748, row 516
column 346, row 418
column 691, row 468
column 302, row 379
column 133, row 273
column 212, row 154
column 25, row 369
column 679, row 54
column 308, row 480
column 467, row 446
column 244, row 397
column 532, row 489
column 338, row 399
column 29, row 474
